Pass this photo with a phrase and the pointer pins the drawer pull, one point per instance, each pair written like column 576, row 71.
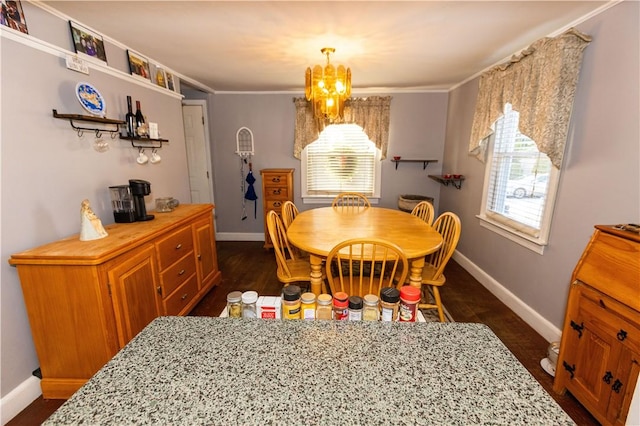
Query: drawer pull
column 617, row 385
column 277, row 204
column 577, row 327
column 621, row 335
column 607, row 377
column 277, row 191
column 181, row 272
column 184, row 296
column 275, row 179
column 179, row 246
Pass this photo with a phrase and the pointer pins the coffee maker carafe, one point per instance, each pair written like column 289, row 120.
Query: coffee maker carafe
column 140, row 188
column 124, row 210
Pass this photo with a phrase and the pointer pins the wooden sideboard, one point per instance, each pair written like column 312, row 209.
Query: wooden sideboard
column 277, row 187
column 86, row 299
column 599, row 356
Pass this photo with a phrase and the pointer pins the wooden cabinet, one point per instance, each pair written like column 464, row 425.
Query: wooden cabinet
column 277, row 187
column 86, row 299
column 599, row 356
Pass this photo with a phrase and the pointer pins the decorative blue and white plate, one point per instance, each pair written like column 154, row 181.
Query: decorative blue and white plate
column 91, row 99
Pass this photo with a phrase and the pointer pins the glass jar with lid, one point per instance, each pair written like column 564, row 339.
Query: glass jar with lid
column 308, row 306
column 355, row 308
column 324, row 310
column 370, row 312
column 389, row 302
column 291, row 302
column 234, row 304
column 409, row 298
column 249, row 309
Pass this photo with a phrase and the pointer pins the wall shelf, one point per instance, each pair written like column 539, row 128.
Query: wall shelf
column 145, row 142
column 456, row 182
column 90, row 119
column 425, row 163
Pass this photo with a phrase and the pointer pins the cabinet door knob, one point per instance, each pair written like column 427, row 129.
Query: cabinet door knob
column 621, row 335
column 159, row 290
column 607, row 377
column 184, row 296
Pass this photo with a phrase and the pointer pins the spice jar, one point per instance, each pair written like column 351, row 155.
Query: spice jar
column 370, row 311
column 291, row 302
column 341, row 306
column 234, row 304
column 409, row 298
column 308, row 306
column 324, row 311
column 389, row 301
column 355, row 308
column 249, row 299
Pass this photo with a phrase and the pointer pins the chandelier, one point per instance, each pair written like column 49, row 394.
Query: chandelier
column 327, row 88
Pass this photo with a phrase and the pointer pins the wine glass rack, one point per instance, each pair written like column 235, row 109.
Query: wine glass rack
column 74, row 119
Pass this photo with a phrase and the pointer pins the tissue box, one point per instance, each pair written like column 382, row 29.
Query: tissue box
column 269, row 307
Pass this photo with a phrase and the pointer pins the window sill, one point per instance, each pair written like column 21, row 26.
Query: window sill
column 526, row 241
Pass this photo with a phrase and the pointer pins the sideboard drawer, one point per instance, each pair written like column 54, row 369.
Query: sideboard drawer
column 174, row 247
column 177, row 301
column 176, row 274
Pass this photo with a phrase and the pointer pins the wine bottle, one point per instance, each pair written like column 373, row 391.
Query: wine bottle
column 139, row 120
column 130, row 119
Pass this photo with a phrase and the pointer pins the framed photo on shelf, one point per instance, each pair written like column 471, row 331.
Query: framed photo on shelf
column 138, row 65
column 87, row 43
column 161, row 77
column 170, row 83
column 12, row 16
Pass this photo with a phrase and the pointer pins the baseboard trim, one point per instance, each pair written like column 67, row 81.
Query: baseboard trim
column 19, row 398
column 540, row 324
column 239, row 236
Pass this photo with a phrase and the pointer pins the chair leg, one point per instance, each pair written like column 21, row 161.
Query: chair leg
column 436, row 295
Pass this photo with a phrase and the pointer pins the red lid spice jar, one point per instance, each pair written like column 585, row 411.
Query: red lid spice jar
column 341, row 306
column 409, row 298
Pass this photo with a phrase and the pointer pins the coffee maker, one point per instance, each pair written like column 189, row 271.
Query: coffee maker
column 140, row 188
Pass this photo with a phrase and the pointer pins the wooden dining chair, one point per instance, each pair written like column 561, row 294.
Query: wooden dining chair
column 364, row 266
column 291, row 267
column 289, row 212
column 424, row 210
column 448, row 226
column 350, row 201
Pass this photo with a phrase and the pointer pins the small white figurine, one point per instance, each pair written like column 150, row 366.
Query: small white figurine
column 91, row 226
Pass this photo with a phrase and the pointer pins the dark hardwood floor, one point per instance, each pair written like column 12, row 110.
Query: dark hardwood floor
column 247, row 266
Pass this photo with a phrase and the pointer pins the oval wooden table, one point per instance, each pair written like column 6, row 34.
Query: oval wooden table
column 317, row 231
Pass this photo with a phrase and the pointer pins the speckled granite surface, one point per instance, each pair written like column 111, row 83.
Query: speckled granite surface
column 210, row 371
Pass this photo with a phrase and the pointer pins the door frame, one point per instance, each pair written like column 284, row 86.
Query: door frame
column 203, row 104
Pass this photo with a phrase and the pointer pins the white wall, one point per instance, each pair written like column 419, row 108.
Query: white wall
column 600, row 182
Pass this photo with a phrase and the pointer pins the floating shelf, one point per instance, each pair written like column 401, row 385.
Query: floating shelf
column 145, row 142
column 90, row 119
column 425, row 163
column 456, row 182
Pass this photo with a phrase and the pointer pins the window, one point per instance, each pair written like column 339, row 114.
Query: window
column 343, row 159
column 520, row 185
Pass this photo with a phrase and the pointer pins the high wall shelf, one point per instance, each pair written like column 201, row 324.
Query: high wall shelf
column 90, row 119
column 425, row 163
column 145, row 142
column 455, row 181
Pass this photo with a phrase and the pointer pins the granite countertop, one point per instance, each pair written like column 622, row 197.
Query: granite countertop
column 209, row 371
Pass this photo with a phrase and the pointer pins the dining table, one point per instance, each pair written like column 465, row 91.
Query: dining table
column 241, row 371
column 317, row 231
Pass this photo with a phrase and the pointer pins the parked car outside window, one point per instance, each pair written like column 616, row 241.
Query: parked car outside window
column 529, row 186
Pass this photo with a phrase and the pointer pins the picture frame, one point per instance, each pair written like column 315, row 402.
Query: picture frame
column 138, row 65
column 87, row 42
column 12, row 16
column 161, row 77
column 170, row 83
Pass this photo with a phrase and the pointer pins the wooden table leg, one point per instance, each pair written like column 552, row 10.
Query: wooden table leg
column 415, row 272
column 316, row 274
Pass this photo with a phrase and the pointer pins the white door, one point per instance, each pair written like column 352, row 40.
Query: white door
column 197, row 140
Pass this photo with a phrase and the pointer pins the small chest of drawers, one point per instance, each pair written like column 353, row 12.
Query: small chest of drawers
column 277, row 187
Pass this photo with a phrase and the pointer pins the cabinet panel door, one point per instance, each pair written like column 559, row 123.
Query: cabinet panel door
column 135, row 295
column 205, row 250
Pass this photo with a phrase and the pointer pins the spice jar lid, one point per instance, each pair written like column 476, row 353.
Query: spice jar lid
column 324, row 299
column 355, row 302
column 341, row 299
column 370, row 299
column 390, row 295
column 249, row 297
column 410, row 294
column 308, row 297
column 234, row 296
column 291, row 292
